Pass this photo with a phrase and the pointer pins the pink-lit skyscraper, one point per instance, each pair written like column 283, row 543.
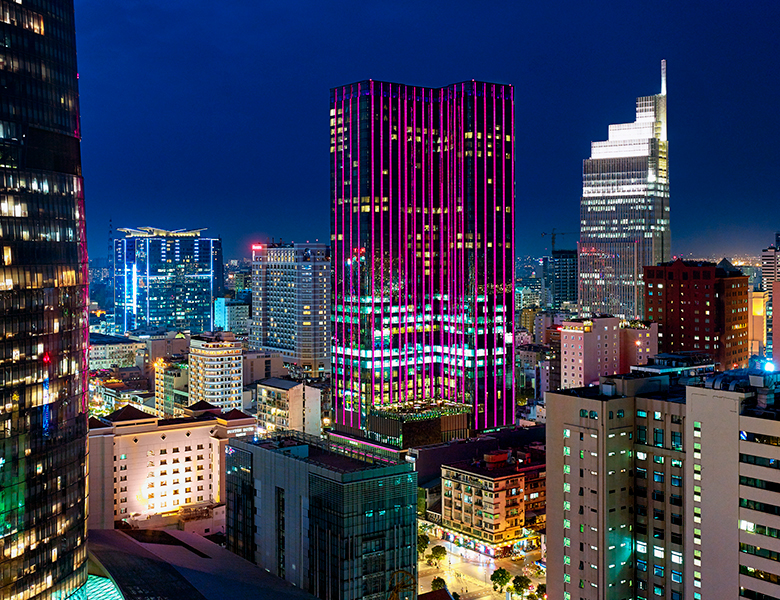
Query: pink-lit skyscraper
column 422, row 224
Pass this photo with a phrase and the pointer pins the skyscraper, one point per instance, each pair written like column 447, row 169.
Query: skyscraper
column 422, row 231
column 166, row 279
column 624, row 212
column 43, row 289
column 290, row 304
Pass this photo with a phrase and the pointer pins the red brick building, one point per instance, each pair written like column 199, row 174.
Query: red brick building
column 700, row 307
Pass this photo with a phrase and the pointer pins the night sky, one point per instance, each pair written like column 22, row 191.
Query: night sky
column 215, row 114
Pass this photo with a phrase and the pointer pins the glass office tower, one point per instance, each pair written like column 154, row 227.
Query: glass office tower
column 166, row 279
column 624, row 213
column 43, row 290
column 422, row 223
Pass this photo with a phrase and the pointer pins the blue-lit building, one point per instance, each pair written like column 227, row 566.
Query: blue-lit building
column 166, row 279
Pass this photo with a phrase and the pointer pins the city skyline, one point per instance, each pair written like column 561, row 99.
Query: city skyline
column 574, row 74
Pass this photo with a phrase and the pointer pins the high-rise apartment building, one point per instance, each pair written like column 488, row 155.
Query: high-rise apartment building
column 422, row 231
column 600, row 346
column 624, row 213
column 166, row 279
column 333, row 525
column 657, row 489
column 43, row 288
column 616, row 464
column 291, row 305
column 700, row 307
column 216, row 370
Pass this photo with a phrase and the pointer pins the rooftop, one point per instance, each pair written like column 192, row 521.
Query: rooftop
column 101, row 339
column 175, row 564
column 279, row 383
column 155, row 232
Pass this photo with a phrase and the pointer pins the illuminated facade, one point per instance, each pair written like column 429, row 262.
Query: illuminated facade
column 216, row 370
column 43, row 289
column 291, row 303
column 624, row 213
column 422, row 234
column 166, row 279
column 141, row 465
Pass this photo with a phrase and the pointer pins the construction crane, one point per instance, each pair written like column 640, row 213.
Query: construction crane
column 553, row 235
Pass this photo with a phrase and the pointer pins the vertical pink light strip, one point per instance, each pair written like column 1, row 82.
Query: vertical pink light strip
column 340, row 261
column 371, row 157
column 415, row 264
column 382, row 236
column 357, row 259
column 484, row 248
column 512, row 225
column 503, row 253
column 464, row 278
column 351, row 279
column 344, row 239
column 494, row 294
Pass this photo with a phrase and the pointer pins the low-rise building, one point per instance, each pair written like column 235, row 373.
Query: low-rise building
column 288, row 404
column 112, row 351
column 593, row 347
column 489, row 505
column 141, row 466
column 171, row 387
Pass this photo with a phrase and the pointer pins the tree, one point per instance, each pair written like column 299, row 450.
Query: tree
column 455, row 596
column 438, row 554
column 438, row 584
column 422, row 543
column 521, row 583
column 541, row 590
column 500, row 578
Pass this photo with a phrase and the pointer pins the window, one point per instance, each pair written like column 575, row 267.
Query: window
column 175, row 449
column 658, row 437
column 658, row 515
column 594, row 414
column 658, row 571
column 641, row 473
column 641, row 565
column 658, row 495
column 620, row 414
column 658, row 476
column 677, row 519
column 658, row 416
column 642, row 414
column 677, row 440
column 677, row 576
column 641, row 434
column 583, row 413
column 677, row 463
column 676, row 481
column 675, row 500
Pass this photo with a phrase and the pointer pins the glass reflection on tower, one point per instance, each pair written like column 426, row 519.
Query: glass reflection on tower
column 43, row 292
column 422, row 223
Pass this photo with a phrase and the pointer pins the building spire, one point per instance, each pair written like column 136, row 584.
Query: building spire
column 663, row 77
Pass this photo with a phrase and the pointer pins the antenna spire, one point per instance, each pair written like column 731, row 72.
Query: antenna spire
column 663, row 77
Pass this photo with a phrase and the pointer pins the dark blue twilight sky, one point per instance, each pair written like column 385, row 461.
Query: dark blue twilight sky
column 215, row 114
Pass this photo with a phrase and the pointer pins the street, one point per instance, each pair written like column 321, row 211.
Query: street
column 465, row 569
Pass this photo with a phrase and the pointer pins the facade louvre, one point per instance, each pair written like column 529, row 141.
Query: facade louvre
column 422, row 224
column 624, row 212
column 43, row 290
